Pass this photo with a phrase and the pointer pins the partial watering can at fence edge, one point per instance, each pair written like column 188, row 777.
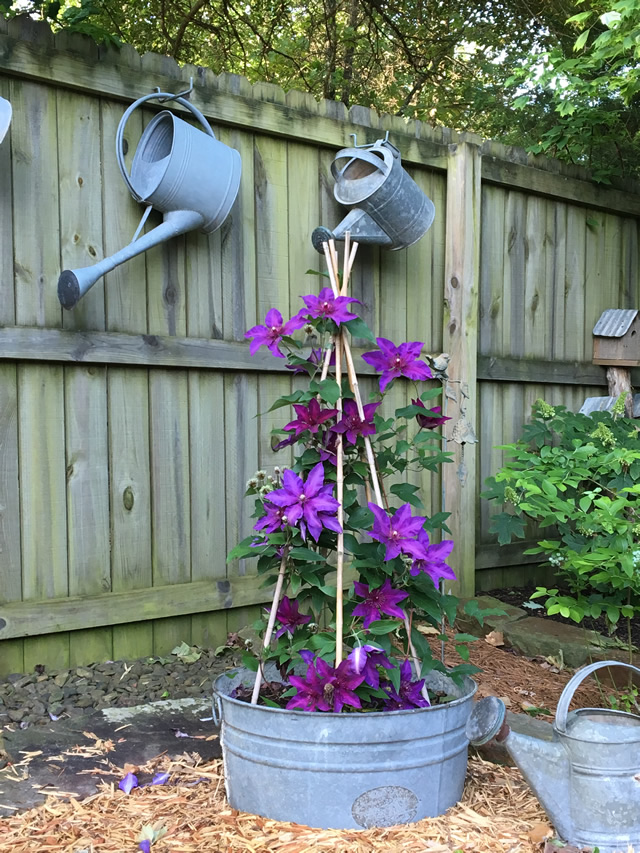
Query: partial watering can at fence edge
column 187, row 174
column 587, row 778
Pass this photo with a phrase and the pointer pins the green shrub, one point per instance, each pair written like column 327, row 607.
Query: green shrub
column 579, row 476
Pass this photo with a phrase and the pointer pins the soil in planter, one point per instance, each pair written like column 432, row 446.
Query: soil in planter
column 519, row 597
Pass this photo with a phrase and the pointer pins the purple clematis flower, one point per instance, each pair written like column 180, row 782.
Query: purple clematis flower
column 378, row 602
column 351, row 425
column 272, row 332
column 288, row 616
column 409, row 695
column 328, row 306
column 310, row 417
column 398, row 533
column 324, row 688
column 129, row 782
column 432, row 418
column 274, row 519
column 366, row 660
column 308, row 505
column 433, row 561
column 394, row 361
column 328, row 448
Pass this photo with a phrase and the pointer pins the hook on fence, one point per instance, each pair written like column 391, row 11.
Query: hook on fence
column 184, row 94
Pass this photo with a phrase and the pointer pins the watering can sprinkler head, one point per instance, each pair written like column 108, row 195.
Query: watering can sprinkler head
column 188, row 175
column 388, row 208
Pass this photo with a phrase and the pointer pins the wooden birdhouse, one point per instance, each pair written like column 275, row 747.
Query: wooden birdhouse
column 616, row 338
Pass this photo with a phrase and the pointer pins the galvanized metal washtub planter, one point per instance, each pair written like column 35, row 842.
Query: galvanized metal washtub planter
column 588, row 777
column 343, row 771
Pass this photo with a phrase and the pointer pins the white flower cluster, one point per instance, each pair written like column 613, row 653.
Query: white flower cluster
column 556, row 559
column 636, row 558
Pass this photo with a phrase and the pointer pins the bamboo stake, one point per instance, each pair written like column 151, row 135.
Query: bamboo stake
column 415, row 658
column 270, row 623
column 332, row 263
column 353, row 378
column 340, row 497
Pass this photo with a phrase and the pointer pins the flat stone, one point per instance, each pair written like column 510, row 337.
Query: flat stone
column 535, row 636
column 471, row 624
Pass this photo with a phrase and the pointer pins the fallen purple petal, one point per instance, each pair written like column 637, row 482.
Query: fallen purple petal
column 145, row 846
column 129, row 782
column 160, row 778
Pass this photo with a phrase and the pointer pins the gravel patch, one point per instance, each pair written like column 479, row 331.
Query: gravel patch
column 41, row 697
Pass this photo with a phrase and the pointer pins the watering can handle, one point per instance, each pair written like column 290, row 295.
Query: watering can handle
column 125, row 118
column 358, row 154
column 573, row 684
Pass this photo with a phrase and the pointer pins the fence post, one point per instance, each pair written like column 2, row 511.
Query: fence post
column 460, row 340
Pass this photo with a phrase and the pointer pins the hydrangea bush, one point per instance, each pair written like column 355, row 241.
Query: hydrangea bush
column 333, row 507
column 578, row 477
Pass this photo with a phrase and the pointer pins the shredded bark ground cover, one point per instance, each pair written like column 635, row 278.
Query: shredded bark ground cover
column 497, row 813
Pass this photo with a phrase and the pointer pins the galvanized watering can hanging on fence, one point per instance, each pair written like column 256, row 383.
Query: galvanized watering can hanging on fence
column 187, row 174
column 388, row 208
column 588, row 777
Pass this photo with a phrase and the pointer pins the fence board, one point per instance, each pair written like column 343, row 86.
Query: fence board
column 36, row 227
column 10, row 562
column 7, row 296
column 80, row 182
column 87, row 466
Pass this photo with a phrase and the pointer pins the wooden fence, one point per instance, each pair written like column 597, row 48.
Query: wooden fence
column 126, row 426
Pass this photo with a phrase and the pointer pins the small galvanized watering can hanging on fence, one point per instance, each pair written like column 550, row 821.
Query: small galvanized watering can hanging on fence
column 187, row 174
column 388, row 208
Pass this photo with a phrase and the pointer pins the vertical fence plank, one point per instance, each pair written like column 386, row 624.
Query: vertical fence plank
column 35, row 218
column 127, row 390
column 125, row 286
column 7, row 296
column 170, row 508
column 11, row 651
column 80, row 179
column 130, row 500
column 208, row 495
column 43, row 501
column 460, row 335
column 87, row 500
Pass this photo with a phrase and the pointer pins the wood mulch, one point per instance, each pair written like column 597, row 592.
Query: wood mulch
column 527, row 684
column 497, row 813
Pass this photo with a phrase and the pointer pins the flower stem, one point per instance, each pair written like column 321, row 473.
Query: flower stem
column 340, row 498
column 271, row 622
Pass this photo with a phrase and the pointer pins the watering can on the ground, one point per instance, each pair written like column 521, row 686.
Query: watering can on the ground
column 186, row 173
column 588, row 777
column 388, row 208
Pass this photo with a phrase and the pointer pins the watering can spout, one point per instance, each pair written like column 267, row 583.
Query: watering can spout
column 73, row 284
column 543, row 763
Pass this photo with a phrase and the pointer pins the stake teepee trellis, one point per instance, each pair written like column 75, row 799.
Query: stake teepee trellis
column 341, row 347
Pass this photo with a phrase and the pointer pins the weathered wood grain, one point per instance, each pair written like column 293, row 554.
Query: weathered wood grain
column 36, row 224
column 460, row 340
column 36, row 618
column 80, row 182
column 10, row 546
column 7, row 296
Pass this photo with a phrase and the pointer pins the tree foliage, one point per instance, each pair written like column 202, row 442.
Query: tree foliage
column 557, row 77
